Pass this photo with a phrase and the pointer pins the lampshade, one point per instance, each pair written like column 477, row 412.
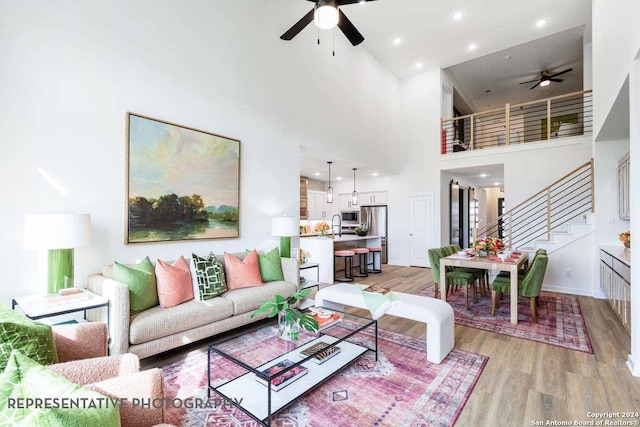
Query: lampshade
column 326, row 15
column 57, row 231
column 285, row 226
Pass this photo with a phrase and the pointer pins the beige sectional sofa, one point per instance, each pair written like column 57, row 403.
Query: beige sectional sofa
column 159, row 329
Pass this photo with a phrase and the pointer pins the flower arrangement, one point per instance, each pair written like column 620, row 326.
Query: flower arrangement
column 488, row 244
column 321, row 227
column 625, row 238
column 303, row 256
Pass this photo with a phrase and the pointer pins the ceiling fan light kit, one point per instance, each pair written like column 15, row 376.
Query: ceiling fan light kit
column 545, row 78
column 326, row 14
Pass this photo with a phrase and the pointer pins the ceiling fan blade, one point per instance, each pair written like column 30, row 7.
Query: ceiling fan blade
column 345, row 2
column 561, row 72
column 534, row 86
column 530, row 81
column 557, row 80
column 349, row 30
column 298, row 26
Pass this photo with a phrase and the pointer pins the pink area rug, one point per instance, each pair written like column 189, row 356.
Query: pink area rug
column 560, row 320
column 401, row 389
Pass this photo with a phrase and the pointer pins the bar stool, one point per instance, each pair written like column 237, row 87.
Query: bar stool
column 348, row 261
column 363, row 255
column 375, row 250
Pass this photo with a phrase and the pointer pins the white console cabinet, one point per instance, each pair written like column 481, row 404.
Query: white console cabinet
column 615, row 281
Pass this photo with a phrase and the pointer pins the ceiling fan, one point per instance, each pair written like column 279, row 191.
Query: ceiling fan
column 327, row 14
column 546, row 78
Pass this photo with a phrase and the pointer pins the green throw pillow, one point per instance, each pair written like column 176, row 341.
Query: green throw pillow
column 141, row 280
column 270, row 266
column 208, row 277
column 32, row 395
column 33, row 339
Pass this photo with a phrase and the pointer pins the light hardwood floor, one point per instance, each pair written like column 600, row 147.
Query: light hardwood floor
column 525, row 381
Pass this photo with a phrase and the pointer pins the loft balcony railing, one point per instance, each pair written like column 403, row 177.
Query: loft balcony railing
column 566, row 199
column 546, row 119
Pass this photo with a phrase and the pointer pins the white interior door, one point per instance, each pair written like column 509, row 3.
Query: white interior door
column 420, row 229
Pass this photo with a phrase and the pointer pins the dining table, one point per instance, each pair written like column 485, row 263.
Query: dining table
column 511, row 264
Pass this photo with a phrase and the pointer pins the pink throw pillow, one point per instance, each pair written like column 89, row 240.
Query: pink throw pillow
column 174, row 283
column 242, row 273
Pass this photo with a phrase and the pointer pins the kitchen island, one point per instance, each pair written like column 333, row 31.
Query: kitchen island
column 321, row 250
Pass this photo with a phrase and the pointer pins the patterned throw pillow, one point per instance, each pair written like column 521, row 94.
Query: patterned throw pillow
column 208, row 277
column 33, row 339
column 141, row 280
column 25, row 379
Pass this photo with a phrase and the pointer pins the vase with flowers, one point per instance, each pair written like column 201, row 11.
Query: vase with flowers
column 321, row 228
column 488, row 246
column 625, row 238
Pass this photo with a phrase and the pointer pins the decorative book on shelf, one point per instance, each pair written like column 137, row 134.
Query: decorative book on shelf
column 66, row 296
column 285, row 379
column 376, row 290
column 325, row 352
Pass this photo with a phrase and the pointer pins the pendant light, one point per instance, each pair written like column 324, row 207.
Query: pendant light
column 329, row 189
column 354, row 195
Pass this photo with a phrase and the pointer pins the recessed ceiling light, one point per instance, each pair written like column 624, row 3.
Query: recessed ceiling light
column 397, row 41
column 317, row 174
column 457, row 16
column 375, row 174
column 363, row 1
column 483, row 175
column 496, row 184
column 339, row 178
column 540, row 23
column 473, row 46
column 418, row 64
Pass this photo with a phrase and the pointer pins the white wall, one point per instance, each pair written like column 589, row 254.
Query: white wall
column 217, row 66
column 616, row 40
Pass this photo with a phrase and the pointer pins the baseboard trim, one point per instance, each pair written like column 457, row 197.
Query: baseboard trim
column 565, row 290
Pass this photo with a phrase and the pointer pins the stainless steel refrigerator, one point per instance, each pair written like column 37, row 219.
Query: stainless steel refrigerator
column 375, row 218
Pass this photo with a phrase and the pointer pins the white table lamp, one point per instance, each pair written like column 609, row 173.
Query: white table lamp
column 59, row 234
column 284, row 228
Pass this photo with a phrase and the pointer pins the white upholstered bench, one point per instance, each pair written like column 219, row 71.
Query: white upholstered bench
column 437, row 314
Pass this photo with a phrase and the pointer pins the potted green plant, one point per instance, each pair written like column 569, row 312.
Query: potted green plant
column 290, row 319
column 362, row 231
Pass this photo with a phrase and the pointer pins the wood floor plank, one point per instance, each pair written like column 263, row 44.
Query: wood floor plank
column 523, row 380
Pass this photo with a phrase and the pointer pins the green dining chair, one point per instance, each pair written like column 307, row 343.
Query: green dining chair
column 528, row 286
column 479, row 273
column 455, row 278
column 523, row 273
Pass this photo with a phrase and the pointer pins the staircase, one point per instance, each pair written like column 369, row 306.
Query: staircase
column 554, row 217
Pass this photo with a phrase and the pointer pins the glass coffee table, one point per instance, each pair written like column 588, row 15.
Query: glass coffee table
column 244, row 363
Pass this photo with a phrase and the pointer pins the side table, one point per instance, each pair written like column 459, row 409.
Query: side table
column 35, row 308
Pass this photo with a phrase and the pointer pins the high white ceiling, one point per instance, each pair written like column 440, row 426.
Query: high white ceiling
column 430, row 36
column 486, row 176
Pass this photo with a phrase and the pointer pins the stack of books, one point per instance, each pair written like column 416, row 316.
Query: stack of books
column 324, row 351
column 324, row 317
column 66, row 296
column 285, row 379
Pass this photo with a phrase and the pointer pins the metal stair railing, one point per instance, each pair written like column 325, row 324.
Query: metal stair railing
column 560, row 202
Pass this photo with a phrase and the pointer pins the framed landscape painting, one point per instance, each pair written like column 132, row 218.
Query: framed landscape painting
column 182, row 183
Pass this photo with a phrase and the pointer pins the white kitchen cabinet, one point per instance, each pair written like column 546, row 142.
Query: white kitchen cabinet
column 623, row 187
column 318, row 206
column 373, row 198
column 615, row 281
column 345, row 202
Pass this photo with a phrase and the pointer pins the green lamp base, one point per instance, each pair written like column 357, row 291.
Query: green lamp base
column 60, row 270
column 285, row 247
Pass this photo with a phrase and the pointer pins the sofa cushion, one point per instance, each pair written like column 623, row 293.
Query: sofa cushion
column 174, row 283
column 270, row 266
column 208, row 277
column 33, row 339
column 248, row 299
column 160, row 322
column 242, row 273
column 25, row 379
column 141, row 281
